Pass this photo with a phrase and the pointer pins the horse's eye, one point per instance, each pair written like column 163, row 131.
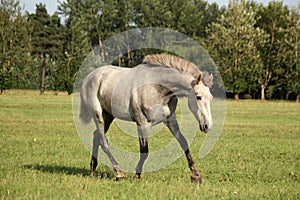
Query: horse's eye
column 199, row 97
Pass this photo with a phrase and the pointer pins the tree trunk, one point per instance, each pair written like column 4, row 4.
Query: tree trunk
column 297, row 98
column 43, row 75
column 263, row 92
column 236, row 97
column 2, row 91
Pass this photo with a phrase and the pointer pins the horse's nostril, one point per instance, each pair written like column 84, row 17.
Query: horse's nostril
column 205, row 126
column 201, row 128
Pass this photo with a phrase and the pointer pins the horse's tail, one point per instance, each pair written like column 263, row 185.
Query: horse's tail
column 89, row 101
column 84, row 114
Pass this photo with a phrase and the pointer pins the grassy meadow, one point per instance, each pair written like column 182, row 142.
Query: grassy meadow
column 42, row 157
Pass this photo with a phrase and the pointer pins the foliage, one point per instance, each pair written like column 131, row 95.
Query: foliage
column 274, row 20
column 11, row 21
column 292, row 56
column 255, row 46
column 247, row 96
column 234, row 45
column 47, row 40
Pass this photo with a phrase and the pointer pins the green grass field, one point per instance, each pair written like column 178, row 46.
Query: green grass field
column 256, row 157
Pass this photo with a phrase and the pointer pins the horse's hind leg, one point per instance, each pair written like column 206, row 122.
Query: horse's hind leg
column 100, row 136
column 94, row 161
column 105, row 148
column 174, row 128
column 96, row 141
column 143, row 139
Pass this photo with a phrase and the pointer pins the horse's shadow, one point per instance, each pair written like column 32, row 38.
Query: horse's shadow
column 56, row 169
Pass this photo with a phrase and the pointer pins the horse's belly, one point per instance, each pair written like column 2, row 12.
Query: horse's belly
column 122, row 115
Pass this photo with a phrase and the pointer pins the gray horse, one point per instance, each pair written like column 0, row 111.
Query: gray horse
column 147, row 95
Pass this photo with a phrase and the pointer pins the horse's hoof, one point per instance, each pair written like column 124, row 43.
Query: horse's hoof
column 120, row 177
column 91, row 173
column 138, row 175
column 195, row 178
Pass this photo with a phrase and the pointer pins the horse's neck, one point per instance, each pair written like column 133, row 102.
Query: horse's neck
column 179, row 84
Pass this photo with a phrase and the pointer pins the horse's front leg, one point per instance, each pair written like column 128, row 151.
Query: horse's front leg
column 174, row 128
column 195, row 177
column 143, row 139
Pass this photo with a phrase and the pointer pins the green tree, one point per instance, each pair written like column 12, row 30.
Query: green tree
column 13, row 42
column 274, row 18
column 54, row 78
column 23, row 73
column 234, row 43
column 208, row 13
column 77, row 42
column 292, row 55
column 154, row 13
column 46, row 43
column 190, row 19
column 114, row 17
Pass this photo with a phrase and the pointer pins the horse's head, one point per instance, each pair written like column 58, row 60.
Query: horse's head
column 200, row 101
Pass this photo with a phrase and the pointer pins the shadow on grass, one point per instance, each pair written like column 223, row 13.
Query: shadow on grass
column 56, row 169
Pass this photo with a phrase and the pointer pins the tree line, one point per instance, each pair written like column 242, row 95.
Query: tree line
column 255, row 46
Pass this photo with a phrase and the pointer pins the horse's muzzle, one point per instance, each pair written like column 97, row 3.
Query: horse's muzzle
column 204, row 128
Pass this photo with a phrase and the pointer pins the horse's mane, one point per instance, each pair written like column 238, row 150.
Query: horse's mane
column 173, row 62
column 180, row 64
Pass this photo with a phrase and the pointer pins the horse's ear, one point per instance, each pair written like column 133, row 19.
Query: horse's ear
column 211, row 77
column 199, row 78
column 196, row 81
